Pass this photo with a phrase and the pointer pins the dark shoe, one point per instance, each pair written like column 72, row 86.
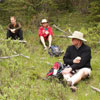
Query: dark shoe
column 73, row 88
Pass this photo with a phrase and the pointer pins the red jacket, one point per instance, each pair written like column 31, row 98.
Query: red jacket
column 45, row 32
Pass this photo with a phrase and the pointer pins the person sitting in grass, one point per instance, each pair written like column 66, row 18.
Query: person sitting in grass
column 14, row 29
column 77, row 58
column 45, row 33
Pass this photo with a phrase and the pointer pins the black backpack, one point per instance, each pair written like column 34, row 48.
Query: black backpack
column 54, row 51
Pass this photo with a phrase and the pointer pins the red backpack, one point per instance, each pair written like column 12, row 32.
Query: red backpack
column 56, row 70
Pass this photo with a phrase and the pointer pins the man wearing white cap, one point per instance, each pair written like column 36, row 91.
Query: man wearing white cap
column 77, row 57
column 45, row 33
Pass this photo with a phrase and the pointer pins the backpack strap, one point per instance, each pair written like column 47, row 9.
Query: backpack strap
column 50, row 51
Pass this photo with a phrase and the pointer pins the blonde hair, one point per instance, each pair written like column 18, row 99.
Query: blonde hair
column 13, row 17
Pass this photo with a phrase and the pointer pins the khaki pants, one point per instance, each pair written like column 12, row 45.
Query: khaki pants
column 80, row 74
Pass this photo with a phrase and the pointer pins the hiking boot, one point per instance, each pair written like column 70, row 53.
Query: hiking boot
column 73, row 88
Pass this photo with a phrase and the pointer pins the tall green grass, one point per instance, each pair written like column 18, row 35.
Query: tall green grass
column 22, row 78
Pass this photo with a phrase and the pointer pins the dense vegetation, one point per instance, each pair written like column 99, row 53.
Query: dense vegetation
column 22, row 78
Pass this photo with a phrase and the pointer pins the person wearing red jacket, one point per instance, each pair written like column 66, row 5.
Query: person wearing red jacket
column 45, row 33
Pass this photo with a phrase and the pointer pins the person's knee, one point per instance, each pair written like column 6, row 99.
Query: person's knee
column 41, row 37
column 19, row 31
column 85, row 72
column 50, row 37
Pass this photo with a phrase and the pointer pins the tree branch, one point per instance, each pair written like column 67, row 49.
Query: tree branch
column 7, row 57
column 61, row 36
column 20, row 41
column 95, row 89
column 55, row 26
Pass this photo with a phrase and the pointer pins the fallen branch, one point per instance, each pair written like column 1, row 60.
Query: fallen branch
column 95, row 89
column 20, row 41
column 55, row 26
column 61, row 36
column 25, row 56
column 7, row 57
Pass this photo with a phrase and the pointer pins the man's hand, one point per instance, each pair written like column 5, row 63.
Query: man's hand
column 13, row 30
column 77, row 60
column 67, row 70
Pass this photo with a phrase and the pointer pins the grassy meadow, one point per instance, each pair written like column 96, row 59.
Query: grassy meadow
column 22, row 78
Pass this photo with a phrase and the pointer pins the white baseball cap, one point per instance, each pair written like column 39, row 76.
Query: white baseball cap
column 44, row 21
